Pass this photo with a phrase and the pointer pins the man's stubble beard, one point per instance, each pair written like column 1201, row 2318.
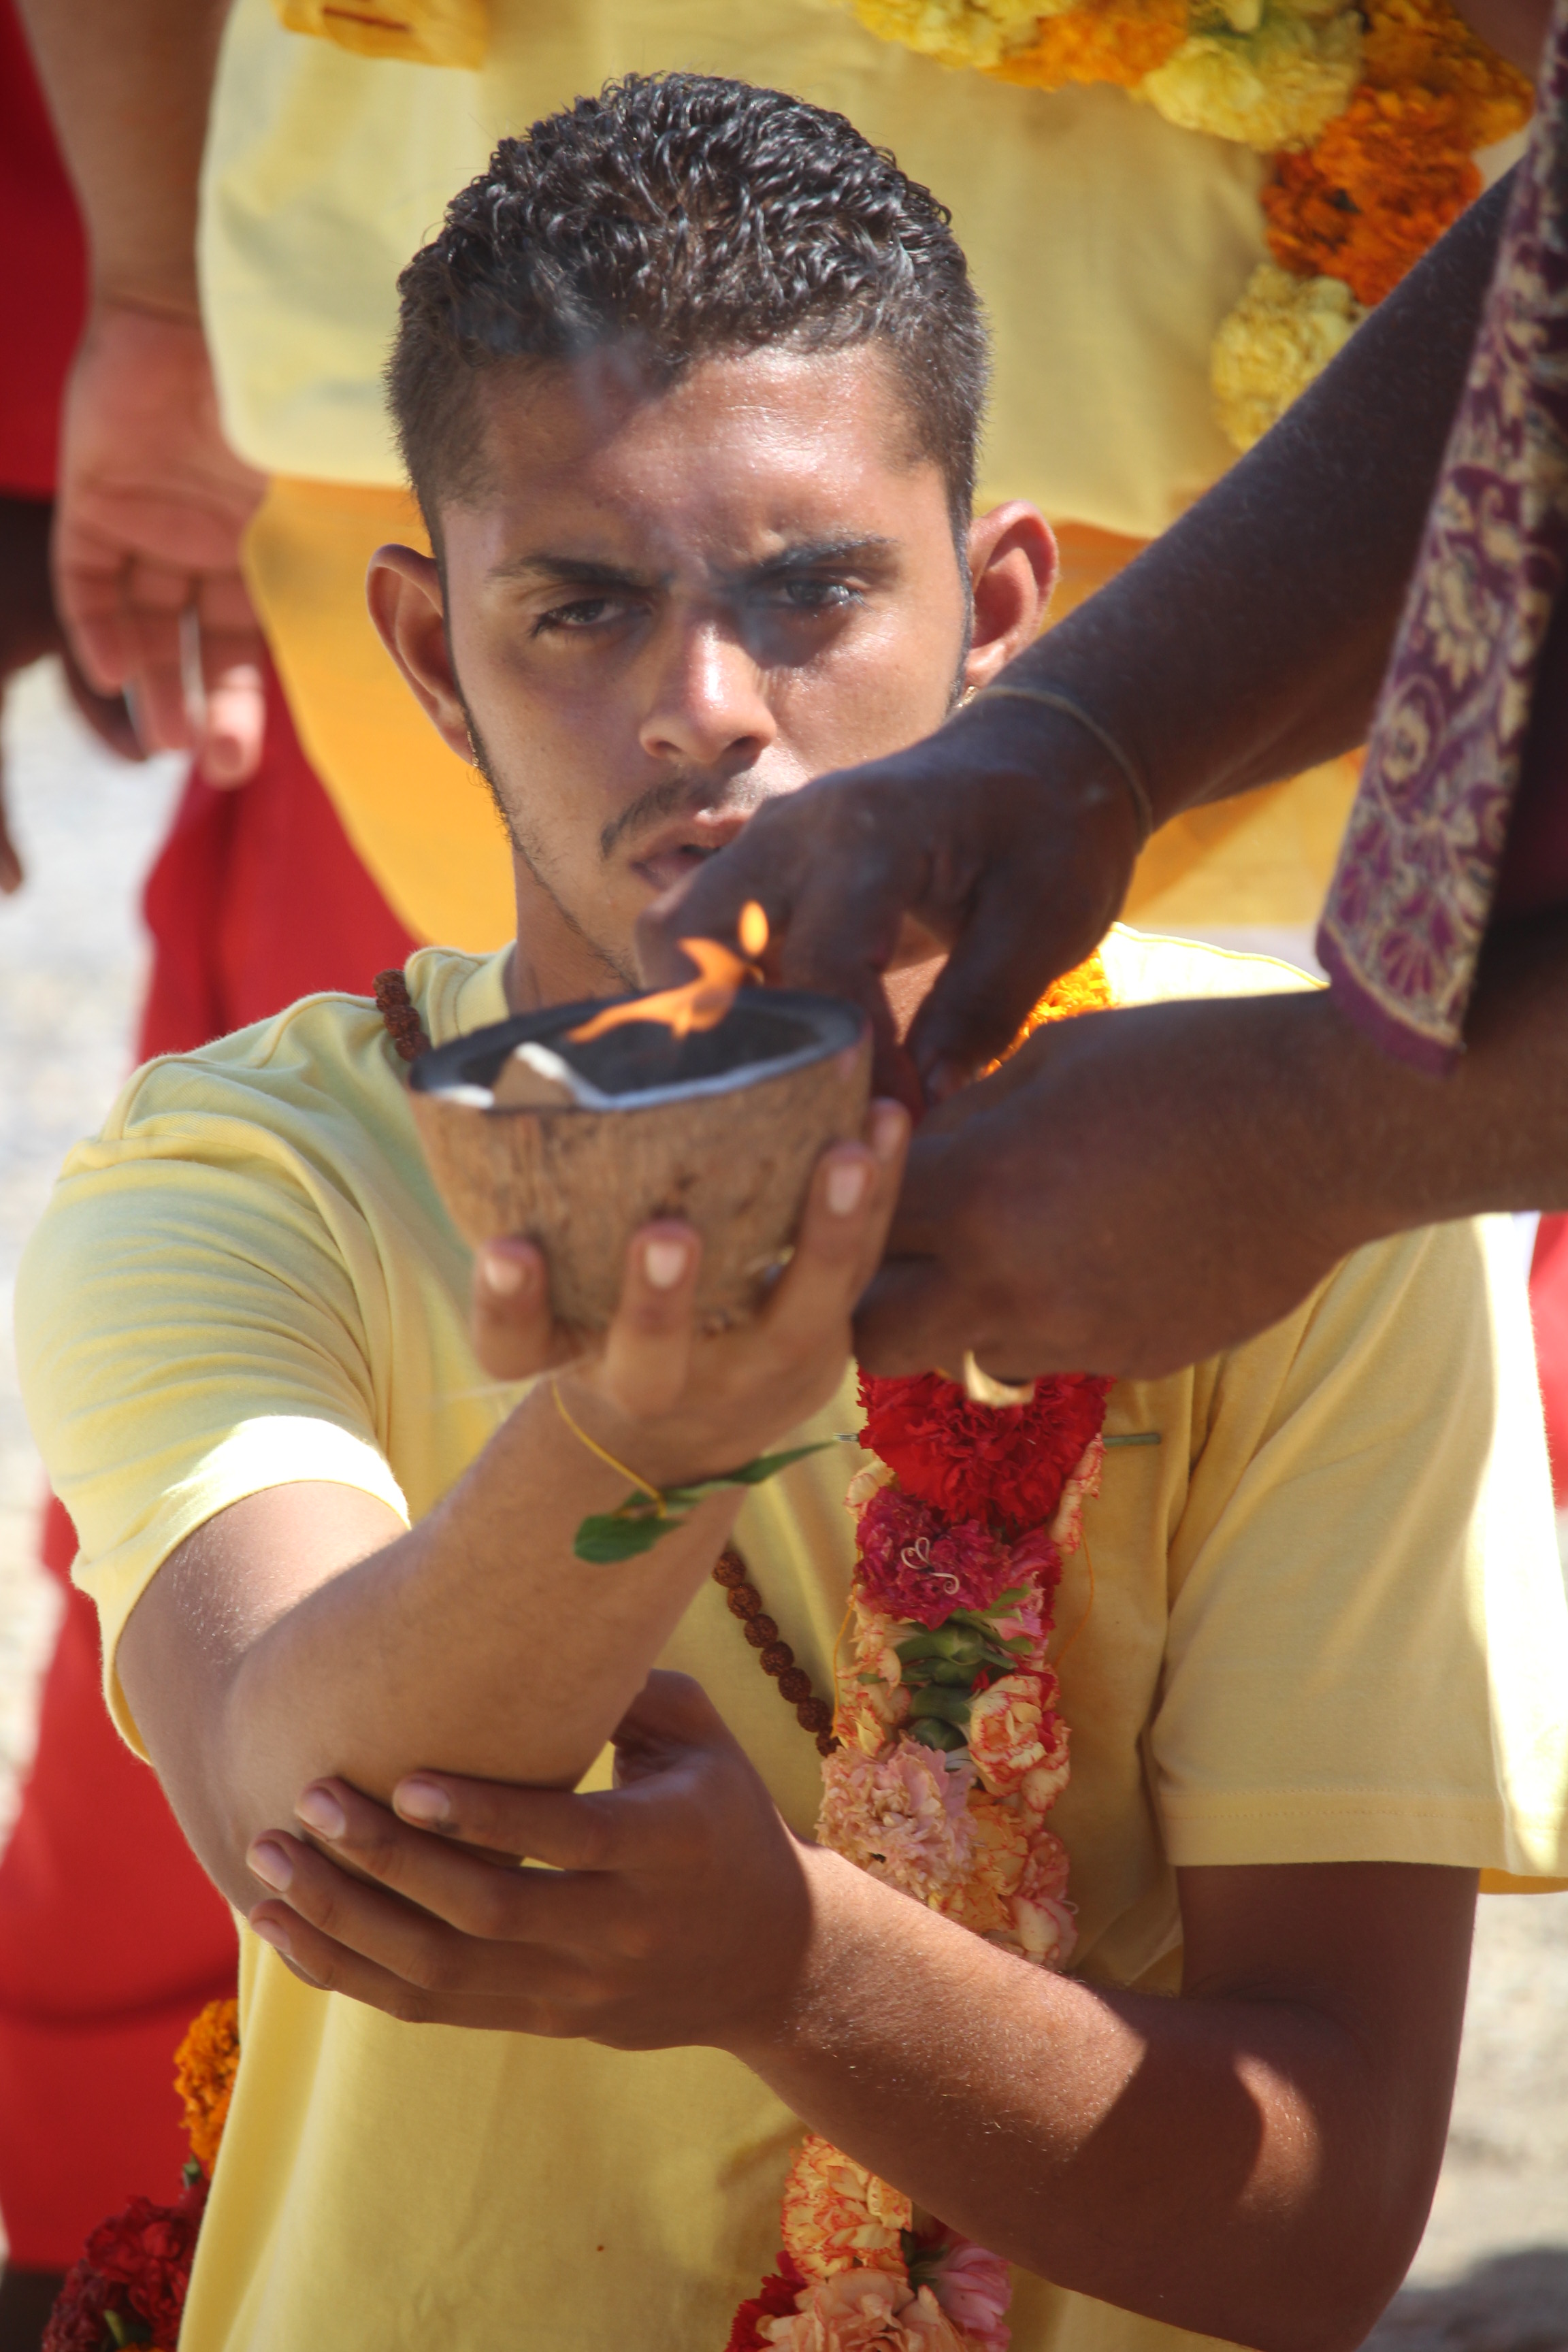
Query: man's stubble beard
column 533, row 857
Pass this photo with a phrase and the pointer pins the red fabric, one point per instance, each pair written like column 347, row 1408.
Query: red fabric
column 258, row 898
column 1549, row 1313
column 110, row 1936
column 43, row 274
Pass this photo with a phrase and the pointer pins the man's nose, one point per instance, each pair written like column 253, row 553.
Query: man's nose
column 708, row 700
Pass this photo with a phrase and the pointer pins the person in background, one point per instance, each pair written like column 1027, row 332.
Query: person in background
column 110, row 1937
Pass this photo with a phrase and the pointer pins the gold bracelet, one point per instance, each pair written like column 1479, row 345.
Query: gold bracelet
column 655, row 1494
column 1144, row 806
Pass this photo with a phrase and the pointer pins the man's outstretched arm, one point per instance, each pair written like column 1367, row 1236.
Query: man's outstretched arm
column 301, row 1629
column 1247, row 644
column 152, row 501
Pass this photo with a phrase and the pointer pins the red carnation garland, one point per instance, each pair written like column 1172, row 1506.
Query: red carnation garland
column 131, row 2284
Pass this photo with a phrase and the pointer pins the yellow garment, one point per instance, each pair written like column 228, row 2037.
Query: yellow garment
column 1310, row 1639
column 421, row 821
column 421, row 32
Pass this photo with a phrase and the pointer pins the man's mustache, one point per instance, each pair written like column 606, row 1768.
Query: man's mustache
column 677, row 796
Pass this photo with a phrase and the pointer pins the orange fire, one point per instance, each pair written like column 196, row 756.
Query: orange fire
column 700, row 1004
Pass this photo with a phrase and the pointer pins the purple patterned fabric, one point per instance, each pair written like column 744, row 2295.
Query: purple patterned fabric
column 1418, row 867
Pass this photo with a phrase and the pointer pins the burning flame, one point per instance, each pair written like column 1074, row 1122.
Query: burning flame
column 700, row 1004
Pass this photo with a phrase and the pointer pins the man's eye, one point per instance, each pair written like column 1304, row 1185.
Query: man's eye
column 586, row 612
column 817, row 596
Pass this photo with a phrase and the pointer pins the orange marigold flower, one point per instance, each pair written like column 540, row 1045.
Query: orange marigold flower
column 1375, row 193
column 1099, row 40
column 1427, row 44
column 205, row 2067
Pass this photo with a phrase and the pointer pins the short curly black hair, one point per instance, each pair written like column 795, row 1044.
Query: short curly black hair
column 690, row 217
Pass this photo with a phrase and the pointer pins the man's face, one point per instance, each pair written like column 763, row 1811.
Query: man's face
column 669, row 605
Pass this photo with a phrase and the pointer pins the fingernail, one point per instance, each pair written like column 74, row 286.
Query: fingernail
column 271, row 1932
column 846, row 1186
column 887, row 1131
column 505, row 1275
column 664, row 1262
column 422, row 1800
column 321, row 1811
column 270, row 1864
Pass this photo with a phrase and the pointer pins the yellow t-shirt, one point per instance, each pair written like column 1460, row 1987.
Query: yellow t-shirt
column 1326, row 1623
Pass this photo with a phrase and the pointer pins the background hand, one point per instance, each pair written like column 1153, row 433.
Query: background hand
column 677, row 1914
column 1008, row 837
column 1132, row 1191
column 152, row 503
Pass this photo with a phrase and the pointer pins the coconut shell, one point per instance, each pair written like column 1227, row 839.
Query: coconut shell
column 734, row 1163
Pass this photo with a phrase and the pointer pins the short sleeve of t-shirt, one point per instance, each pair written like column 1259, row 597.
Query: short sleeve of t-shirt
column 199, row 1313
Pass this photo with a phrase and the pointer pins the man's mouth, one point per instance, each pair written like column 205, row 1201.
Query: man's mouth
column 678, row 850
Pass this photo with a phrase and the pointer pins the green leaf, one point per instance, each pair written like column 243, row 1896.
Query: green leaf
column 637, row 1524
column 933, row 1732
column 606, row 1536
column 944, row 1706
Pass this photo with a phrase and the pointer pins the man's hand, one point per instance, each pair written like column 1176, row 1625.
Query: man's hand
column 1132, row 1191
column 677, row 1907
column 152, row 504
column 656, row 1392
column 1008, row 836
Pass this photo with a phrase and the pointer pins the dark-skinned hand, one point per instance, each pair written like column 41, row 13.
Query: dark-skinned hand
column 1132, row 1191
column 677, row 1910
column 1006, row 838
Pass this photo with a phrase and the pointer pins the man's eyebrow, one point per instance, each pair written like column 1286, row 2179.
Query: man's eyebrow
column 571, row 570
column 810, row 555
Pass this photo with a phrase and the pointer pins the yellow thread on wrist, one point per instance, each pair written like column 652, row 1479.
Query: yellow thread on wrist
column 1143, row 805
column 653, row 1493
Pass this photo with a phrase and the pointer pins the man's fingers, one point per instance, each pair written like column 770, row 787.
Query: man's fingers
column 234, row 718
column 647, row 1349
column 842, row 1231
column 510, row 1318
column 1002, row 964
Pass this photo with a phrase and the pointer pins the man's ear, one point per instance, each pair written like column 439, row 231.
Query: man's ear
column 403, row 589
column 1012, row 568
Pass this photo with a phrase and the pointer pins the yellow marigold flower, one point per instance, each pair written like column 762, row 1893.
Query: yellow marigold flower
column 1276, row 87
column 1099, row 40
column 204, row 2065
column 839, row 2216
column 1283, row 331
column 954, row 32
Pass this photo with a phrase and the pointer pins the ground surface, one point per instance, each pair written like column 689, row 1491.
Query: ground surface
column 1492, row 2273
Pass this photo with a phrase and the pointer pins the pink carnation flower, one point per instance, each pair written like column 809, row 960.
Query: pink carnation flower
column 902, row 1815
column 914, row 1565
column 1045, row 1927
column 867, row 2311
column 972, row 2287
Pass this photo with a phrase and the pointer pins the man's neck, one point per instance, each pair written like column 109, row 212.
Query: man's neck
column 551, row 962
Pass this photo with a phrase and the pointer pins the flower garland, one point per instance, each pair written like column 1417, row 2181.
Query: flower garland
column 1371, row 110
column 129, row 2286
column 952, row 1753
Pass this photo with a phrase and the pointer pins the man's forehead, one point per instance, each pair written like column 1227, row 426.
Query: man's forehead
column 770, row 448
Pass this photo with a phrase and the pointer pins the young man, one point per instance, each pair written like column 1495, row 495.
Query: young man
column 689, row 387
